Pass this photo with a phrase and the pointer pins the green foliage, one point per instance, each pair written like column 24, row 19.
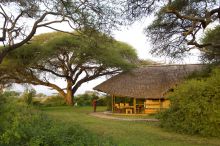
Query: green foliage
column 195, row 107
column 22, row 125
column 175, row 27
column 86, row 100
column 97, row 48
column 11, row 93
column 212, row 53
column 109, row 103
column 53, row 101
column 28, row 96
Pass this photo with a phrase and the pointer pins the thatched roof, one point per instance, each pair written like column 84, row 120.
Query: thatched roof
column 147, row 82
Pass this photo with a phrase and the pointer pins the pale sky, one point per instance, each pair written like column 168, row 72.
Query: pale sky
column 134, row 36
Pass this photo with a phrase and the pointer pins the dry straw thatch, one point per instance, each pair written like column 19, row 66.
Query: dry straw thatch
column 150, row 82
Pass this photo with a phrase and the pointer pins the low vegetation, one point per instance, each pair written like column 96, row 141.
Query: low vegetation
column 23, row 125
column 195, row 106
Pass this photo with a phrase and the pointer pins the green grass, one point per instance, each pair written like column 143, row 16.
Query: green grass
column 126, row 133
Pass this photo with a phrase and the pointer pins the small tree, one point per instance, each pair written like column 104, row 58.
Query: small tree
column 28, row 95
column 76, row 59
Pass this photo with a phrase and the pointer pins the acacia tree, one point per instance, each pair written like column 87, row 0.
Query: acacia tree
column 76, row 59
column 20, row 19
column 212, row 36
column 177, row 23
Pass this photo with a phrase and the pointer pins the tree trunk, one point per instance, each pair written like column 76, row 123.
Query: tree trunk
column 69, row 93
column 69, row 97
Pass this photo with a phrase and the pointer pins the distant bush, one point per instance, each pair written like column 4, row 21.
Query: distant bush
column 28, row 95
column 102, row 101
column 109, row 103
column 86, row 100
column 22, row 125
column 53, row 101
column 11, row 93
column 195, row 107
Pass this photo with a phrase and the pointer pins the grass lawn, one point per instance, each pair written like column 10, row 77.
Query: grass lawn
column 126, row 133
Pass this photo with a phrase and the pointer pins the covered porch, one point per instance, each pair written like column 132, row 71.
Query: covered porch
column 127, row 105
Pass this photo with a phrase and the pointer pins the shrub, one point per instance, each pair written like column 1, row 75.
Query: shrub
column 86, row 100
column 53, row 101
column 28, row 95
column 102, row 101
column 22, row 125
column 11, row 93
column 195, row 107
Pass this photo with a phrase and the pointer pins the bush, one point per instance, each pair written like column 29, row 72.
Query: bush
column 22, row 125
column 195, row 107
column 11, row 93
column 84, row 100
column 28, row 95
column 102, row 101
column 53, row 101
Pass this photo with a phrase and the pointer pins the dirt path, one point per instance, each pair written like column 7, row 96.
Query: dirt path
column 108, row 116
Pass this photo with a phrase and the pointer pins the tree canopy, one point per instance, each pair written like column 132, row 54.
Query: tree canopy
column 177, row 24
column 76, row 59
column 20, row 19
column 212, row 36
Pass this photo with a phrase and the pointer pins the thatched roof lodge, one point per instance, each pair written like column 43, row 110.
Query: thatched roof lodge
column 149, row 83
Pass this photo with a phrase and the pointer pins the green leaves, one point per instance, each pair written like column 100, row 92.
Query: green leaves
column 26, row 125
column 195, row 107
column 212, row 49
column 96, row 48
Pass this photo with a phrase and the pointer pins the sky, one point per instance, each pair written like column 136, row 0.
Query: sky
column 134, row 36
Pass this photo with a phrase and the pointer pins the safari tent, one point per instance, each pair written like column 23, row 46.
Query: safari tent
column 142, row 90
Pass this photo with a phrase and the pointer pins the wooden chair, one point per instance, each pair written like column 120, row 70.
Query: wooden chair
column 126, row 104
column 122, row 107
column 128, row 111
column 116, row 107
column 121, row 104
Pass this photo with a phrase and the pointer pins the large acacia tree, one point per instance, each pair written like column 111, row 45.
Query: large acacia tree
column 178, row 24
column 76, row 59
column 20, row 19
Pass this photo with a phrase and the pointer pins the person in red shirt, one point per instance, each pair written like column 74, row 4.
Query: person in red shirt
column 94, row 103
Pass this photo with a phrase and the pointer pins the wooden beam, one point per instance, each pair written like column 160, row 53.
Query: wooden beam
column 160, row 103
column 134, row 103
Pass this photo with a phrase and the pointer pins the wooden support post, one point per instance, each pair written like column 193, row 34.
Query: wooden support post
column 160, row 103
column 134, row 103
